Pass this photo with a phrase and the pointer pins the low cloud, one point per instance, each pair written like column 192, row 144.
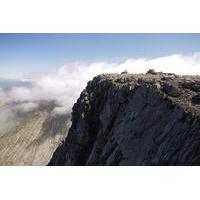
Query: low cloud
column 26, row 107
column 3, row 97
column 8, row 119
column 60, row 110
column 65, row 85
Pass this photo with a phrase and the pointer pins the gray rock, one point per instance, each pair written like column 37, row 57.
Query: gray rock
column 196, row 99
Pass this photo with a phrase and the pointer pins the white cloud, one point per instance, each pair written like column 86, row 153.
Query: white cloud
column 8, row 119
column 26, row 107
column 60, row 110
column 65, row 85
column 2, row 93
column 178, row 63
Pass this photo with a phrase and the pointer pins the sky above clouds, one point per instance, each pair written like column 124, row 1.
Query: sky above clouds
column 25, row 54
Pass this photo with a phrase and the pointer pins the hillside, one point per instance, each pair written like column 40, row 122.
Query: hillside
column 127, row 119
column 30, row 138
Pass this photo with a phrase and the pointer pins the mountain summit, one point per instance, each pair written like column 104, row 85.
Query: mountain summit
column 128, row 119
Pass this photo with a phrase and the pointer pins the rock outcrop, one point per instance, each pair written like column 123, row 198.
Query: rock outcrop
column 127, row 119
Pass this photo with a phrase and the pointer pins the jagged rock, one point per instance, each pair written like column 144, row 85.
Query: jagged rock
column 150, row 119
column 151, row 71
column 124, row 72
column 194, row 86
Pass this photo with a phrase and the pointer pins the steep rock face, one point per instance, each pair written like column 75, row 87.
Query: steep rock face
column 150, row 119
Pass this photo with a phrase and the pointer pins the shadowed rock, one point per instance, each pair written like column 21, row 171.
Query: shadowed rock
column 151, row 71
column 171, row 89
column 196, row 99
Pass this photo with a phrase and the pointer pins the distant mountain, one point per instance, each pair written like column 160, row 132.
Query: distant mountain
column 29, row 131
column 30, row 138
column 146, row 119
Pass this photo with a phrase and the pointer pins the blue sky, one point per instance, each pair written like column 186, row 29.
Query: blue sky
column 32, row 52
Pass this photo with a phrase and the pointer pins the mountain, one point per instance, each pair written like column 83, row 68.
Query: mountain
column 127, row 119
column 29, row 137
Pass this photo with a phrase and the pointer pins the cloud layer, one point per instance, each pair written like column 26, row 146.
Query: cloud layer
column 65, row 85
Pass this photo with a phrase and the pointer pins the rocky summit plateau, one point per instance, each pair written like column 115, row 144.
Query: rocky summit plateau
column 129, row 119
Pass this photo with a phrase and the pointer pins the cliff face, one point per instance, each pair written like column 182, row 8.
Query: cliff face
column 150, row 119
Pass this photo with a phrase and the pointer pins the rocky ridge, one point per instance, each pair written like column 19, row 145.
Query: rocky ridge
column 128, row 119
